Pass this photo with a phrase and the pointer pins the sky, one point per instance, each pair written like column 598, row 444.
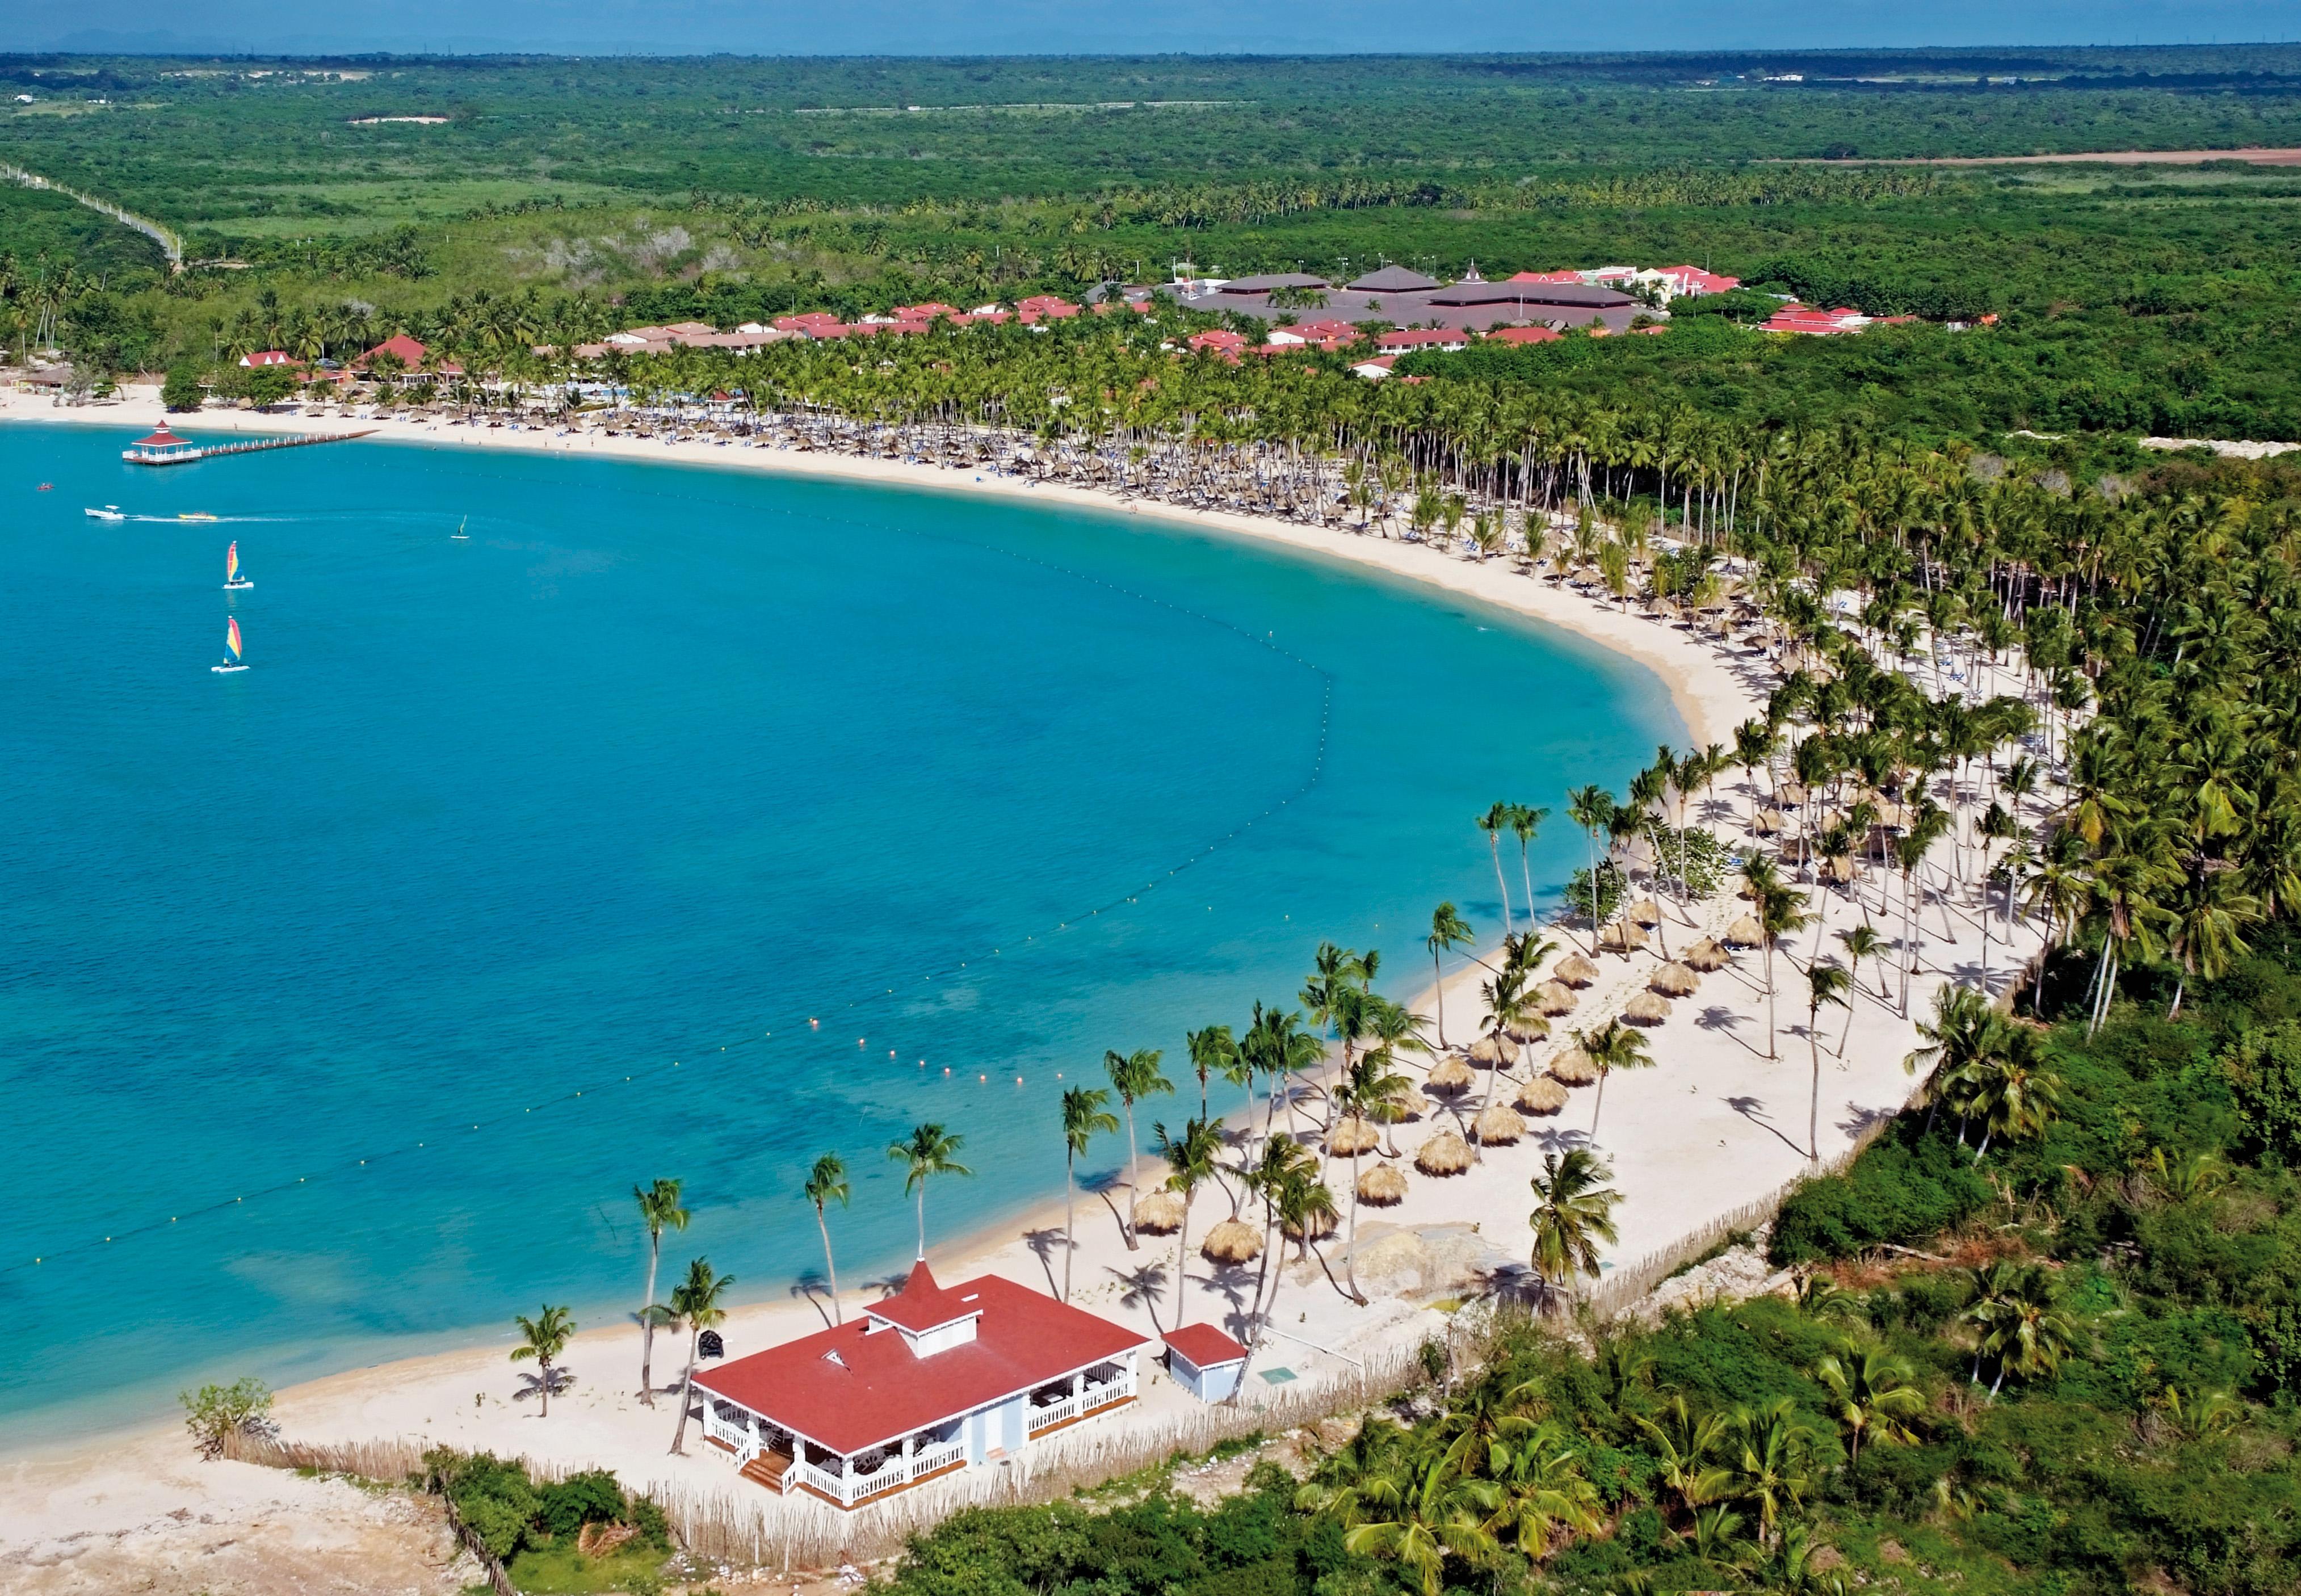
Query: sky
column 1080, row 27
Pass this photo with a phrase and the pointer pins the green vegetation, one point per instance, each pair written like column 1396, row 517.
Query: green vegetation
column 2097, row 1395
column 216, row 1414
column 560, row 199
column 582, row 1533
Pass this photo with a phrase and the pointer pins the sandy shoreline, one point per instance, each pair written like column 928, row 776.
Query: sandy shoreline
column 1716, row 1126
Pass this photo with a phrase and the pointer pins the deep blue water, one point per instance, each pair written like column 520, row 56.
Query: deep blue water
column 305, row 968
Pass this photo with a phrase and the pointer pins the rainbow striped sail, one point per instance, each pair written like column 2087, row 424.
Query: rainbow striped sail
column 232, row 635
column 232, row 561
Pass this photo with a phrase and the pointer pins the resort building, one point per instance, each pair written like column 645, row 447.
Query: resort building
column 926, row 1382
column 1205, row 1361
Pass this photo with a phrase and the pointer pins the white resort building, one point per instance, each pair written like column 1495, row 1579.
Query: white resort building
column 928, row 1382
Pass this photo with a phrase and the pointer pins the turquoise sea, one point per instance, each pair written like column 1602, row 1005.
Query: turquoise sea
column 675, row 822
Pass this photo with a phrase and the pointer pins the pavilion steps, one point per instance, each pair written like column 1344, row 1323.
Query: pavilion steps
column 768, row 1469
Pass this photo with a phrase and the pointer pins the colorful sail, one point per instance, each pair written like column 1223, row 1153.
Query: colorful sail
column 232, row 635
column 232, row 561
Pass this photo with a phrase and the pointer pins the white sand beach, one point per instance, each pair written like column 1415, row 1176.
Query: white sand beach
column 1716, row 1127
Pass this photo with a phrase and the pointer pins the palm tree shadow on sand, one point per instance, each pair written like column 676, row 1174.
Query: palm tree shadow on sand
column 1046, row 1244
column 1753, row 1109
column 1142, row 1287
column 531, row 1384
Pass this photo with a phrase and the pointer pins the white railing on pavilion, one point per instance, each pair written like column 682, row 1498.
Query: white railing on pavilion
column 735, row 1432
column 1085, row 1399
column 895, row 1470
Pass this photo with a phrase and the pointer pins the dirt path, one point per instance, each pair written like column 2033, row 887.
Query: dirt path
column 2258, row 157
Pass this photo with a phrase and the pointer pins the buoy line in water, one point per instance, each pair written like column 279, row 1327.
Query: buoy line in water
column 811, row 1025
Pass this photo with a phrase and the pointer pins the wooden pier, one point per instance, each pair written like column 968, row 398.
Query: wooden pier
column 165, row 447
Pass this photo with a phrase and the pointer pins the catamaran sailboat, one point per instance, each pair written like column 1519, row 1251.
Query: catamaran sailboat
column 231, row 643
column 233, row 581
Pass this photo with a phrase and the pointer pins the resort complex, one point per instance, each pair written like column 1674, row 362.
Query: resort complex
column 1074, row 825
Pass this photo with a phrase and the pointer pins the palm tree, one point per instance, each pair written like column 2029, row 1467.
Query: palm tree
column 2017, row 1316
column 1545, row 1495
column 1860, row 942
column 1213, row 1051
column 1772, row 1452
column 1780, row 913
column 1612, row 1047
column 826, row 1183
column 660, row 1211
column 1525, row 823
column 1824, row 984
column 1085, row 1116
column 1448, row 931
column 695, row 1303
column 1416, row 1513
column 1688, row 1445
column 1573, row 1212
column 1591, row 808
column 1873, row 1395
column 930, row 1151
column 543, row 1338
column 1135, row 1075
column 1495, row 821
column 1190, row 1160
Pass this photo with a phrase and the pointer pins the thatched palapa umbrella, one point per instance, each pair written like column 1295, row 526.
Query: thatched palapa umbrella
column 1624, row 939
column 1321, row 1225
column 1383, row 1185
column 1232, row 1241
column 1576, row 971
column 1160, row 1212
column 1452, row 1075
column 1573, row 1067
column 1745, row 932
column 1530, row 1028
column 1645, row 912
column 1495, row 1052
column 1412, row 1103
column 1444, row 1154
column 1498, row 1126
column 1542, row 1095
column 1706, row 956
column 1675, row 980
column 1647, row 1008
column 1352, row 1135
column 1553, row 998
column 1769, row 823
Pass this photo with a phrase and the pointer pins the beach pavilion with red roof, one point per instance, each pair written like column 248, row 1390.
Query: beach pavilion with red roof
column 927, row 1382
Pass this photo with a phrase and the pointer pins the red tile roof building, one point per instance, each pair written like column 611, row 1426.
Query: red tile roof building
column 927, row 1382
column 1795, row 317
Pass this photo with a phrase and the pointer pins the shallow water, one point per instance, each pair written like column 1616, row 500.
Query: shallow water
column 343, row 994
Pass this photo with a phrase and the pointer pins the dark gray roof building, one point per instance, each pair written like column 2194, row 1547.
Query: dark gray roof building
column 1276, row 279
column 1393, row 280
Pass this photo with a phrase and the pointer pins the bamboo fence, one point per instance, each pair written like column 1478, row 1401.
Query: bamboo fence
column 1626, row 1285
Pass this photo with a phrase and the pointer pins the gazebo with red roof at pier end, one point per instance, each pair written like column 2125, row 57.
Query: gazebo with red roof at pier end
column 158, row 446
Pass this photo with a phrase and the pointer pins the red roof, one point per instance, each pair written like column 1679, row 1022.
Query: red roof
column 1546, row 277
column 1523, row 335
column 1218, row 337
column 409, row 352
column 161, row 438
column 1204, row 1345
column 859, row 1385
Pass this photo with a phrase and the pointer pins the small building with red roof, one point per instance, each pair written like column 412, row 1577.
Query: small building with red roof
column 262, row 359
column 1043, row 308
column 1798, row 318
column 1524, row 335
column 929, row 1381
column 1402, row 339
column 1205, row 1361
